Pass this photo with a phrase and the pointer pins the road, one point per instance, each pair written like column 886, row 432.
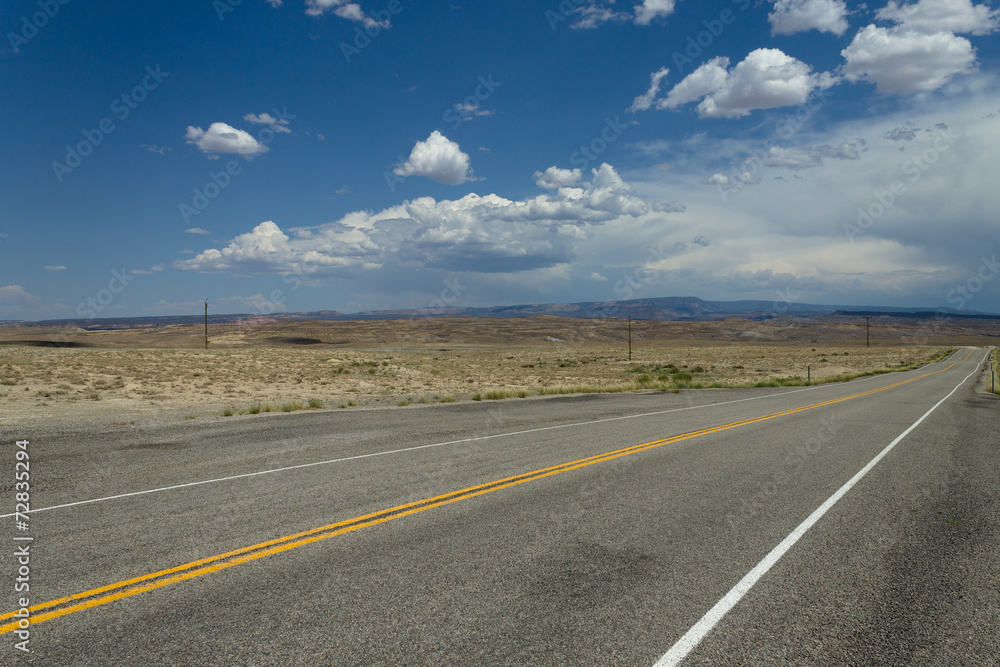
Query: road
column 716, row 527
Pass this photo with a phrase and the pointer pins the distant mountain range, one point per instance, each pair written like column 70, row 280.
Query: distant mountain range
column 662, row 308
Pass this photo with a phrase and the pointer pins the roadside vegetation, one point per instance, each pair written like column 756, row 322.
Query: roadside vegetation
column 250, row 381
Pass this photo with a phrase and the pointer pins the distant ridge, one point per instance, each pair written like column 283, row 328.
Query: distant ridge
column 676, row 309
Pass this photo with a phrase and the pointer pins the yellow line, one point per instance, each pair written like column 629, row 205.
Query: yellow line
column 134, row 586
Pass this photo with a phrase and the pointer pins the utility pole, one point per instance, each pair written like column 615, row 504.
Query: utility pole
column 206, row 324
column 867, row 339
column 630, row 338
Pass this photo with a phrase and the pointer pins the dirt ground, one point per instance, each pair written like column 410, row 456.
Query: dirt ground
column 114, row 376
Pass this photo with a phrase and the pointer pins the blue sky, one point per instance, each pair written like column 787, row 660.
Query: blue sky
column 328, row 154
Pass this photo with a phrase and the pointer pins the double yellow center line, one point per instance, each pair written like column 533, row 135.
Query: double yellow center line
column 100, row 596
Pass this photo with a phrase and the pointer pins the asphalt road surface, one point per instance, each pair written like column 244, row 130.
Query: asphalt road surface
column 848, row 524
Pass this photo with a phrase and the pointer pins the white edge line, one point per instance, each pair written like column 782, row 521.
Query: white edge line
column 693, row 637
column 412, row 449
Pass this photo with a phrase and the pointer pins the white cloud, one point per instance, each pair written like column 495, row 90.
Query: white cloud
column 922, row 52
column 669, row 207
column 905, row 132
column 927, row 239
column 467, row 111
column 765, row 79
column 644, row 101
column 793, row 158
column 15, row 295
column 196, row 230
column 935, row 16
column 707, row 79
column 344, row 9
column 592, row 16
column 54, row 268
column 480, row 234
column 222, row 138
column 595, row 14
column 275, row 3
column 904, row 61
column 439, row 159
column 652, row 9
column 792, row 16
column 276, row 124
column 555, row 178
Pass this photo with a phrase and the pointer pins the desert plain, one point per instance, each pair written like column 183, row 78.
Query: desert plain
column 67, row 374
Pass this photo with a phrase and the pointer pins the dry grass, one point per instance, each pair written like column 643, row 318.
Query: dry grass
column 260, row 379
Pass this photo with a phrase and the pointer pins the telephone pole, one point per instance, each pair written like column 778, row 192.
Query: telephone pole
column 206, row 324
column 867, row 339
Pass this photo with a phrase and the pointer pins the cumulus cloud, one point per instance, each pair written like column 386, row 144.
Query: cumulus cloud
column 905, row 61
column 765, row 79
column 934, row 16
column 344, row 9
column 439, row 159
column 222, row 138
column 482, row 234
column 792, row 16
column 555, row 178
column 922, row 51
